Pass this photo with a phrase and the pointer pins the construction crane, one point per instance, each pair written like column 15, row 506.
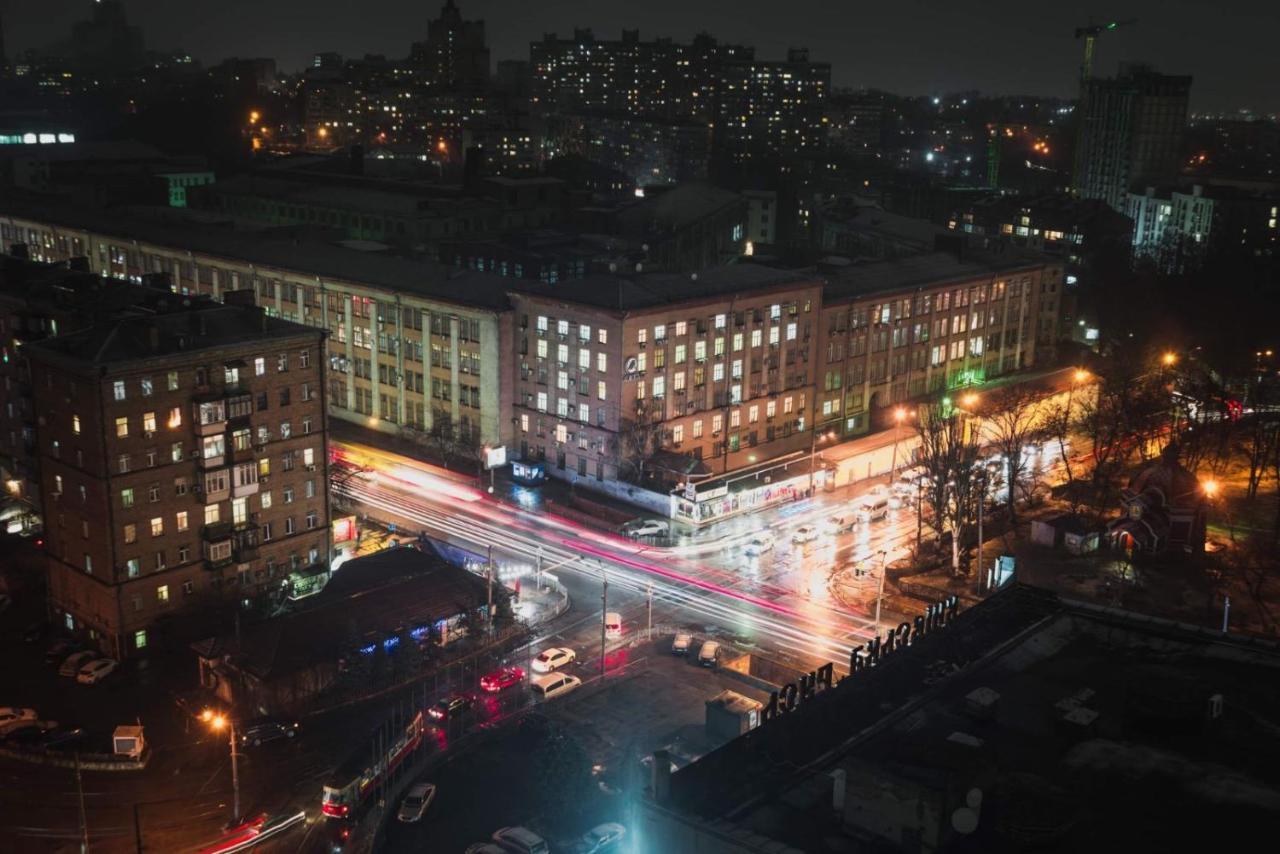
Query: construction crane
column 1089, row 34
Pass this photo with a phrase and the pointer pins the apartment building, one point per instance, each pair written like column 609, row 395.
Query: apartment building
column 182, row 455
column 412, row 344
column 650, row 376
column 894, row 331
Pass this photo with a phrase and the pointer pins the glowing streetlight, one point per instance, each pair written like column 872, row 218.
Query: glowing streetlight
column 1169, row 359
column 970, row 400
column 1080, row 375
column 1211, row 488
column 254, row 115
column 218, row 722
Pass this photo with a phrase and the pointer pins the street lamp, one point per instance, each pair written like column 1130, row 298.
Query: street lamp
column 1211, row 488
column 217, row 722
column 899, row 415
column 813, row 452
column 1169, row 359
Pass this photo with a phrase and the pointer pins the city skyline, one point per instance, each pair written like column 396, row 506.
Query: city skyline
column 1002, row 53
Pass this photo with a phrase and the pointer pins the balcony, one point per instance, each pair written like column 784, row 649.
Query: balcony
column 244, row 545
column 240, row 490
column 209, row 463
column 217, row 532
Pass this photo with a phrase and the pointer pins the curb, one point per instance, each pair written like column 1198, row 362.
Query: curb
column 87, row 762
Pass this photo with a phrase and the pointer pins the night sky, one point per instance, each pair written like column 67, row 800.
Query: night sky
column 905, row 46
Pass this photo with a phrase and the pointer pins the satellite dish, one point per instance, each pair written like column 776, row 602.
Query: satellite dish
column 964, row 820
column 693, row 276
column 973, row 800
column 613, row 267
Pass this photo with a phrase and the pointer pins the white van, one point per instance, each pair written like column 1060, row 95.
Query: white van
column 548, row 686
column 613, row 624
column 873, row 507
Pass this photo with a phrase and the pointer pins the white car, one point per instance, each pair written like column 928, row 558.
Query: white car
column 548, row 686
column 646, row 528
column 602, row 837
column 95, row 671
column 759, row 544
column 76, row 662
column 520, row 840
column 553, row 659
column 680, row 643
column 12, row 716
column 805, row 534
column 416, row 801
column 709, row 655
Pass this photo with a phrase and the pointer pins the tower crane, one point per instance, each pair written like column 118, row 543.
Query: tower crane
column 1090, row 33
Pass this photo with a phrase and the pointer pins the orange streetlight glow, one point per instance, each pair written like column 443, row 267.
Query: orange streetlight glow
column 970, row 400
column 1080, row 375
column 1169, row 359
column 1211, row 488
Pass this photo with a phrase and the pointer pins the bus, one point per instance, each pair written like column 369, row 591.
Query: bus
column 360, row 774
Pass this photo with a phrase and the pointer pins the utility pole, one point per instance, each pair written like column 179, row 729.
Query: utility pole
column 235, row 774
column 604, row 614
column 84, row 821
column 650, row 632
column 982, row 499
column 884, row 566
column 538, row 565
column 919, row 515
column 1226, row 613
column 489, row 575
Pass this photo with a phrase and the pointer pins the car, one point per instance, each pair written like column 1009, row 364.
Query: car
column 415, row 802
column 874, row 506
column 59, row 650
column 709, row 655
column 646, row 528
column 12, row 717
column 908, row 484
column 451, row 707
column 501, row 679
column 553, row 659
column 97, row 670
column 30, row 732
column 613, row 624
column 64, row 739
column 805, row 534
column 838, row 523
column 520, row 840
column 602, row 837
column 548, row 686
column 256, row 732
column 680, row 643
column 759, row 544
column 71, row 666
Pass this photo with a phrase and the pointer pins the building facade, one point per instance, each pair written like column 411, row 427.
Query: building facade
column 657, row 375
column 1130, row 132
column 182, row 456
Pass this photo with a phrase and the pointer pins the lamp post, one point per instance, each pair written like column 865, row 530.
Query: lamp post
column 899, row 415
column 813, row 452
column 217, row 722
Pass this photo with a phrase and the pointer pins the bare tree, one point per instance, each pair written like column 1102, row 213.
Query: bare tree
column 947, row 454
column 640, row 439
column 1013, row 422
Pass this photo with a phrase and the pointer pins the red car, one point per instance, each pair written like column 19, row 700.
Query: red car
column 499, row 680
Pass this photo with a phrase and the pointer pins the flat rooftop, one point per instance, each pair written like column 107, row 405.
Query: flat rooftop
column 623, row 292
column 920, row 271
column 1083, row 728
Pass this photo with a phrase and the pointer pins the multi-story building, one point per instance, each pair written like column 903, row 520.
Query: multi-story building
column 182, row 455
column 893, row 331
column 623, row 375
column 1177, row 228
column 773, row 108
column 412, row 344
column 38, row 301
column 1056, row 224
column 647, row 151
column 1130, row 132
column 454, row 54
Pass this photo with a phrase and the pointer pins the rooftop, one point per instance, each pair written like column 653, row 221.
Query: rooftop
column 920, row 271
column 1072, row 724
column 622, row 292
column 190, row 324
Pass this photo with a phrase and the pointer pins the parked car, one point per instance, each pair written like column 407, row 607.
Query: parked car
column 13, row 716
column 258, row 731
column 613, row 624
column 602, row 837
column 805, row 534
column 520, row 840
column 97, row 670
column 63, row 739
column 71, row 666
column 59, row 650
column 553, row 659
column 759, row 544
column 451, row 707
column 548, row 686
column 500, row 680
column 416, row 801
column 680, row 643
column 709, row 655
column 646, row 528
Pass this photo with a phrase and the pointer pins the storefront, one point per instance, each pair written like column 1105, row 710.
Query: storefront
column 718, row 499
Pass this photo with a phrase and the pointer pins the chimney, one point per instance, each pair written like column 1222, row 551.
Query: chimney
column 661, row 781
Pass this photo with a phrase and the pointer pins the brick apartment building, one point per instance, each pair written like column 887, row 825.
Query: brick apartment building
column 183, row 459
column 720, row 363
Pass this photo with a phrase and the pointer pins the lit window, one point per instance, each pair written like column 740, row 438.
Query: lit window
column 140, row 639
column 149, row 422
column 182, row 523
column 75, row 424
column 157, row 527
column 118, row 389
column 175, row 418
column 162, row 593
